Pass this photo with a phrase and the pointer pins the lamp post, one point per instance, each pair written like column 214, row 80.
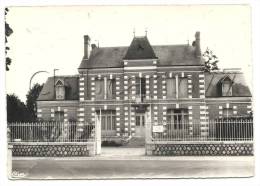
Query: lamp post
column 34, row 75
column 54, row 70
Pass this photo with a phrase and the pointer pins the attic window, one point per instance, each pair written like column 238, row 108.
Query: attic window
column 226, row 85
column 60, row 90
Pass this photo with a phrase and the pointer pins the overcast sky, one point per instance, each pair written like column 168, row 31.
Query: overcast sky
column 45, row 38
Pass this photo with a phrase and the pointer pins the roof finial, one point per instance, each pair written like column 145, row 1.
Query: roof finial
column 146, row 31
column 188, row 41
column 134, row 32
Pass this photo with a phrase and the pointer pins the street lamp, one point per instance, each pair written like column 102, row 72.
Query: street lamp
column 34, row 75
column 54, row 70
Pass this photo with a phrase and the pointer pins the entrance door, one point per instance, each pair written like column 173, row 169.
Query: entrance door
column 140, row 125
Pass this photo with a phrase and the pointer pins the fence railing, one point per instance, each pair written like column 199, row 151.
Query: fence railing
column 51, row 132
column 209, row 130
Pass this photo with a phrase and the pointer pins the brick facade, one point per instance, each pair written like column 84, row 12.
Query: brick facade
column 200, row 101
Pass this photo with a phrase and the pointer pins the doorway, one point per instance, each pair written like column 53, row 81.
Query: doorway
column 140, row 125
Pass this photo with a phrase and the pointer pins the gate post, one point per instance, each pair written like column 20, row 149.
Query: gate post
column 148, row 133
column 98, row 134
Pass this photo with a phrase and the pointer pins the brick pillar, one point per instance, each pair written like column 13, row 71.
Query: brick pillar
column 81, row 114
column 189, row 86
column 132, row 120
column 52, row 113
column 81, row 88
column 220, row 111
column 234, row 109
column 164, row 91
column 39, row 113
column 126, row 114
column 132, row 96
column 81, row 109
column 249, row 108
column 164, row 113
column 65, row 115
column 190, row 120
column 203, row 121
column 118, row 88
column 93, row 88
column 155, row 87
column 126, row 86
column 118, row 114
column 147, row 87
column 202, row 85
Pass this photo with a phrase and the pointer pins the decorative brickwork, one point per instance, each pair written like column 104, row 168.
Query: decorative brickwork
column 50, row 150
column 200, row 149
column 81, row 88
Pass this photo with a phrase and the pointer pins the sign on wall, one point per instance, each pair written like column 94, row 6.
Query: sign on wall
column 158, row 128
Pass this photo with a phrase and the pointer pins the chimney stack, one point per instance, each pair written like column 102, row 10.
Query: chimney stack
column 93, row 46
column 86, row 46
column 197, row 44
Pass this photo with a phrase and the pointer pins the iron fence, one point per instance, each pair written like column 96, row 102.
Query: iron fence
column 51, row 132
column 235, row 129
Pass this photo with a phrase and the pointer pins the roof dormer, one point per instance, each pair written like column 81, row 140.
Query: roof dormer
column 225, row 86
column 60, row 89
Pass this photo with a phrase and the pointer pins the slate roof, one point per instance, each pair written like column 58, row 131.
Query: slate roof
column 71, row 88
column 112, row 57
column 140, row 48
column 239, row 87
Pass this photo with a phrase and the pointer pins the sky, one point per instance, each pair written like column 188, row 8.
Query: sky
column 45, row 38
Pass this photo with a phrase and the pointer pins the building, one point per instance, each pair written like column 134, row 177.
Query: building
column 128, row 85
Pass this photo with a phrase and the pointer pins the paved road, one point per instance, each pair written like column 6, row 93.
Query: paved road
column 153, row 167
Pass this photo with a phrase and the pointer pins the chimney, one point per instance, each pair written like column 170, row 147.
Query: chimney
column 196, row 44
column 86, row 46
column 93, row 46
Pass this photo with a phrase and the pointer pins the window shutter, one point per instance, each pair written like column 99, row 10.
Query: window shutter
column 99, row 89
column 183, row 87
column 171, row 88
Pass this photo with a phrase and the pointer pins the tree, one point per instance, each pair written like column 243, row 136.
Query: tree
column 8, row 32
column 211, row 61
column 16, row 109
column 32, row 96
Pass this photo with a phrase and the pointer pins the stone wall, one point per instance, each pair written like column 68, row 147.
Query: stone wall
column 53, row 150
column 213, row 149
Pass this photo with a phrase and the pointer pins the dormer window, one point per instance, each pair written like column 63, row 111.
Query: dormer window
column 60, row 90
column 226, row 86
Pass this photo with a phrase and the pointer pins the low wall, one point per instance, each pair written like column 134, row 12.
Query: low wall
column 53, row 149
column 199, row 149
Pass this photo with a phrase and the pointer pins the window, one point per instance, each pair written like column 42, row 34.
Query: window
column 105, row 89
column 59, row 116
column 226, row 87
column 177, row 118
column 183, row 88
column 171, row 88
column 60, row 90
column 227, row 112
column 111, row 88
column 140, row 87
column 99, row 89
column 108, row 120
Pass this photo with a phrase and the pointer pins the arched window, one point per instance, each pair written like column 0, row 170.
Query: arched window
column 60, row 90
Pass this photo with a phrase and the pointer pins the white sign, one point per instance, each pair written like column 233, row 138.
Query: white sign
column 158, row 128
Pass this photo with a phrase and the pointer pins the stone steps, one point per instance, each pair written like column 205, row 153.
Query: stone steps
column 135, row 142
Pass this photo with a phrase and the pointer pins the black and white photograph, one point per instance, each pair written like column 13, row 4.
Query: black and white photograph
column 129, row 92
